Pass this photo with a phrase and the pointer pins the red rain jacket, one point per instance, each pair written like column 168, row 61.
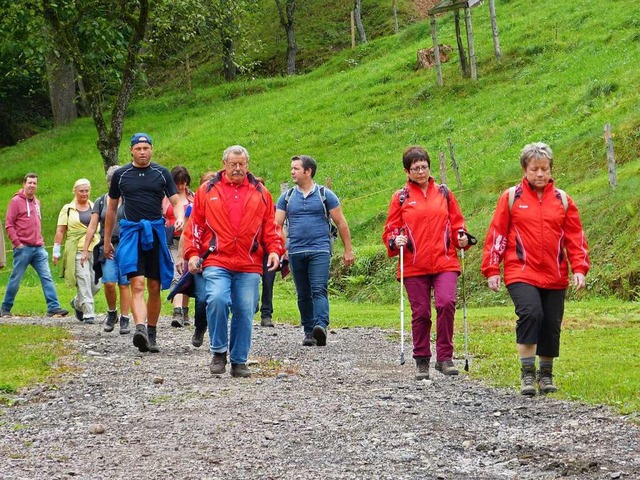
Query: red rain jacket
column 535, row 238
column 431, row 223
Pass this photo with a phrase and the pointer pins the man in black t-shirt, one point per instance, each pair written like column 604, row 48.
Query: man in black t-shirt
column 142, row 251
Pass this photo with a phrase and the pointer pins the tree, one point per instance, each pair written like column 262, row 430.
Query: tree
column 103, row 40
column 357, row 11
column 62, row 89
column 285, row 12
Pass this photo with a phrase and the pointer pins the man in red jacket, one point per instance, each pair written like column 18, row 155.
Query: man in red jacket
column 233, row 212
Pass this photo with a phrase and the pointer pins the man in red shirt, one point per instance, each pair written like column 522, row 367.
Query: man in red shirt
column 233, row 212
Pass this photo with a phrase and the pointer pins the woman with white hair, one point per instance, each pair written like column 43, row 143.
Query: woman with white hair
column 73, row 221
column 107, row 268
column 536, row 234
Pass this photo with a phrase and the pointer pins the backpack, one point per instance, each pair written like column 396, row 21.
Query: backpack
column 333, row 229
column 404, row 193
column 513, row 194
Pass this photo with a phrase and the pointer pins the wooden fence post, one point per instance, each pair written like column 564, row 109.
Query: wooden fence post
column 327, row 183
column 453, row 162
column 472, row 50
column 353, row 30
column 611, row 158
column 494, row 29
column 436, row 49
column 284, row 186
column 443, row 168
column 395, row 16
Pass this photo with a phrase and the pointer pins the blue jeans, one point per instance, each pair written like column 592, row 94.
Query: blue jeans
column 236, row 291
column 311, row 275
column 38, row 258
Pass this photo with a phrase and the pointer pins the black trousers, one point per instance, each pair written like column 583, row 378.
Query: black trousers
column 540, row 313
column 268, row 279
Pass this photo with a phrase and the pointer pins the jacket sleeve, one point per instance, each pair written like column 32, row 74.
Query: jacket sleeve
column 456, row 220
column 496, row 240
column 576, row 241
column 193, row 229
column 9, row 223
column 271, row 232
column 392, row 226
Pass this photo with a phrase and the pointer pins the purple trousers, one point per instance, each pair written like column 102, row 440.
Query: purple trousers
column 444, row 292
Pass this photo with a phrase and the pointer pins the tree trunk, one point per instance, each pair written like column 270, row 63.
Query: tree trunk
column 108, row 139
column 287, row 22
column 358, row 17
column 62, row 90
column 395, row 16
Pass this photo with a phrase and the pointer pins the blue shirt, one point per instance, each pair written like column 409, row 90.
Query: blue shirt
column 308, row 227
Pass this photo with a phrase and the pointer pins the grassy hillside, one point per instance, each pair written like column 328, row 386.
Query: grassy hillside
column 566, row 71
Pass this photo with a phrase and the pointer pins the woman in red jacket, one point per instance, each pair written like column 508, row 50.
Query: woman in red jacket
column 535, row 228
column 425, row 218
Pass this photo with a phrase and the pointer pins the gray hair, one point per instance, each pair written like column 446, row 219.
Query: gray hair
column 236, row 150
column 110, row 172
column 535, row 150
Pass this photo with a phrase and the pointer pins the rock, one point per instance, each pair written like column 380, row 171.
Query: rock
column 96, row 428
column 157, row 380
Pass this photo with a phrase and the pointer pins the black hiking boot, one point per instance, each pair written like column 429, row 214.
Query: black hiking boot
column 218, row 363
column 177, row 321
column 151, row 335
column 309, row 341
column 320, row 334
column 266, row 322
column 110, row 322
column 422, row 367
column 240, row 370
column 528, row 381
column 140, row 338
column 198, row 337
column 78, row 313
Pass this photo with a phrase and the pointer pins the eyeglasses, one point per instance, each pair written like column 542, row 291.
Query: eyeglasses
column 420, row 169
column 236, row 165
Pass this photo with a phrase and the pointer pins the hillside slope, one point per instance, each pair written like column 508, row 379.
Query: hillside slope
column 566, row 71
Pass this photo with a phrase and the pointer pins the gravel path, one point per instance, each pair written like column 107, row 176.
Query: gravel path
column 345, row 411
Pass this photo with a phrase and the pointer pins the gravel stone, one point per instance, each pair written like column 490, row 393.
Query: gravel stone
column 344, row 411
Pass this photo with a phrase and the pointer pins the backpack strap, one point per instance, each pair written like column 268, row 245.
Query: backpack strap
column 287, row 197
column 561, row 194
column 403, row 195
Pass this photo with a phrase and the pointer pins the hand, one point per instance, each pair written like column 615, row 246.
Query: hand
column 108, row 249
column 579, row 281
column 348, row 258
column 463, row 240
column 273, row 262
column 55, row 260
column 83, row 258
column 494, row 282
column 180, row 266
column 194, row 264
column 179, row 224
column 401, row 240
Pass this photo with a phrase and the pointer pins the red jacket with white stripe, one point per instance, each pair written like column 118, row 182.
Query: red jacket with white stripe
column 209, row 221
column 535, row 238
column 431, row 223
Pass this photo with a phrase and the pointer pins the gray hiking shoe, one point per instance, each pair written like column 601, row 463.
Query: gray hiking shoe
column 124, row 325
column 422, row 367
column 218, row 363
column 177, row 320
column 545, row 381
column 528, row 381
column 240, row 370
column 266, row 322
column 5, row 313
column 320, row 334
column 110, row 322
column 309, row 341
column 77, row 312
column 58, row 312
column 447, row 367
column 140, row 338
column 89, row 320
column 185, row 316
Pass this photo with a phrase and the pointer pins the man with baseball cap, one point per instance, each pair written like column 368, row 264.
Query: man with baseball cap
column 142, row 251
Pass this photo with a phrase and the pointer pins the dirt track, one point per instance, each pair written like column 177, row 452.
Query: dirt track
column 344, row 411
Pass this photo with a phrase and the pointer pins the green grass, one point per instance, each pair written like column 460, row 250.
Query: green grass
column 28, row 354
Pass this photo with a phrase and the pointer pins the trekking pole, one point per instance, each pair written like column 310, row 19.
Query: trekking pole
column 464, row 309
column 401, row 303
